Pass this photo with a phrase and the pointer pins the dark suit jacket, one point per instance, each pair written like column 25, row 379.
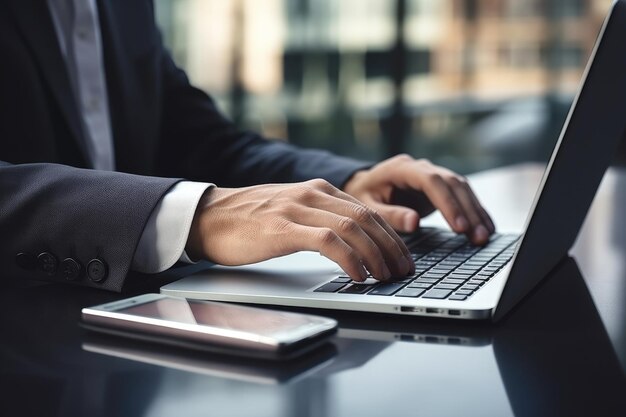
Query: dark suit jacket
column 164, row 129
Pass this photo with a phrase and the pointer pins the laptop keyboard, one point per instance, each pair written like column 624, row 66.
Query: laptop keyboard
column 447, row 266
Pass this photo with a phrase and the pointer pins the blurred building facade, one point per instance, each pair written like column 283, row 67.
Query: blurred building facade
column 468, row 83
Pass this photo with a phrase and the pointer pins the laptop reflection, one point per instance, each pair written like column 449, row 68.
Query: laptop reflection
column 552, row 353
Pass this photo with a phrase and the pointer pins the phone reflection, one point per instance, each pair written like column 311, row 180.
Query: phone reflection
column 210, row 364
column 294, row 387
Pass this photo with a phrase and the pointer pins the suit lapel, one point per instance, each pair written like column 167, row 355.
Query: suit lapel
column 35, row 22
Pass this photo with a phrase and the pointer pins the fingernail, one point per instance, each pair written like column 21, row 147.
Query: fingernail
column 461, row 223
column 386, row 272
column 481, row 234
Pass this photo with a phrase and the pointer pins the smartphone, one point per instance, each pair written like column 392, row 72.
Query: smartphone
column 211, row 326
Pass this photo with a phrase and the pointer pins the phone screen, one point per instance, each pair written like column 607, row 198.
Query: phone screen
column 225, row 316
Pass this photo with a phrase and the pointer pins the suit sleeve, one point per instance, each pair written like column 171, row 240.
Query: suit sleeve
column 200, row 144
column 54, row 217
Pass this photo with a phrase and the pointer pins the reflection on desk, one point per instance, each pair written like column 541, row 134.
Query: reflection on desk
column 547, row 358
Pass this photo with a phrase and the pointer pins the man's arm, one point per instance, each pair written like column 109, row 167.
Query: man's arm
column 247, row 225
column 53, row 215
column 200, row 144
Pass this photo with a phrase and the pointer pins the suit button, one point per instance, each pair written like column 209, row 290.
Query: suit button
column 48, row 263
column 26, row 260
column 71, row 269
column 97, row 270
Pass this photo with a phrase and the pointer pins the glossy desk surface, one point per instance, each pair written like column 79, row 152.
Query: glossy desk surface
column 561, row 352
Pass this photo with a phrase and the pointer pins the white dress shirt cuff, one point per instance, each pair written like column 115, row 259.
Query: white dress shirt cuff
column 163, row 240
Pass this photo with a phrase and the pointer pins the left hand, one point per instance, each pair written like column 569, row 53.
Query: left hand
column 403, row 190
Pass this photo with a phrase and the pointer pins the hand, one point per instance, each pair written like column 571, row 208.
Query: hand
column 252, row 224
column 403, row 190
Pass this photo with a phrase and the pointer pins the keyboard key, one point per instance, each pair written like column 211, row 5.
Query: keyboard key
column 386, row 289
column 468, row 268
column 422, row 285
column 438, row 294
column 446, row 286
column 330, row 287
column 458, row 297
column 459, row 275
column 442, row 269
column 434, row 275
column 476, row 282
column 342, row 280
column 477, row 278
column 410, row 292
column 452, row 281
column 450, row 261
column 456, row 258
column 481, row 258
column 473, row 263
column 426, row 280
column 472, row 287
column 356, row 289
column 464, row 292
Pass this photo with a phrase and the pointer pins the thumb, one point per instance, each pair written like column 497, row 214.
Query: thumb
column 402, row 219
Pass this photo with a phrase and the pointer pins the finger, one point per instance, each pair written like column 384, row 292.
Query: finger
column 487, row 221
column 400, row 218
column 423, row 175
column 394, row 250
column 399, row 242
column 335, row 192
column 485, row 218
column 466, row 201
column 327, row 243
column 477, row 233
column 442, row 197
column 350, row 232
column 412, row 226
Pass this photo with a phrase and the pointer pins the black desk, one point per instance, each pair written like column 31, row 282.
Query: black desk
column 558, row 353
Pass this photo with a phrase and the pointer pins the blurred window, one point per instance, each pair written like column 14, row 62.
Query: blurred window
column 472, row 84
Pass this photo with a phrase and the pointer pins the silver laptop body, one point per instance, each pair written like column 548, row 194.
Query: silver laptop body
column 595, row 124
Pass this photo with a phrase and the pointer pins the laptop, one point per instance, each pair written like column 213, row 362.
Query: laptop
column 453, row 278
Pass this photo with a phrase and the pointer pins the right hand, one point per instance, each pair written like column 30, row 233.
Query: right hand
column 237, row 226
